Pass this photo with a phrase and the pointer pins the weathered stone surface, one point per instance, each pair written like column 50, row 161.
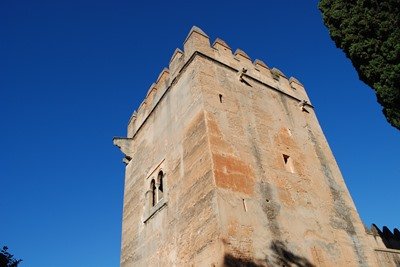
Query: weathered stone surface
column 249, row 177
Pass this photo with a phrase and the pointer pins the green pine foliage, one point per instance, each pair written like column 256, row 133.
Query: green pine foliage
column 368, row 31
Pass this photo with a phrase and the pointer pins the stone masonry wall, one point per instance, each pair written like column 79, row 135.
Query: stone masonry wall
column 269, row 209
column 250, row 178
column 173, row 136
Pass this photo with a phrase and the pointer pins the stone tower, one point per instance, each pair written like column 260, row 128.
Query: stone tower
column 227, row 165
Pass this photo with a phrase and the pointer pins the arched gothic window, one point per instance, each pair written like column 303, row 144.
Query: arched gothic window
column 156, row 194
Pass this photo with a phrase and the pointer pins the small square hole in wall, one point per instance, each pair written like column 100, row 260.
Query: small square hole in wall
column 288, row 163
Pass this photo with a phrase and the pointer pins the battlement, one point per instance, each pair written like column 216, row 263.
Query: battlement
column 197, row 43
column 390, row 239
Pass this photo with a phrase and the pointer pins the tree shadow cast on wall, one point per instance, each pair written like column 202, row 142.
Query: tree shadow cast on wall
column 281, row 256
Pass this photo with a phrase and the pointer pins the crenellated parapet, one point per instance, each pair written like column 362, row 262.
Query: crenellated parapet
column 390, row 239
column 197, row 43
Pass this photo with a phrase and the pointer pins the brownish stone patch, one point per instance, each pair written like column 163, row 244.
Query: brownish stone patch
column 212, row 125
column 234, row 174
column 217, row 140
column 286, row 197
column 283, row 137
column 317, row 256
column 219, row 144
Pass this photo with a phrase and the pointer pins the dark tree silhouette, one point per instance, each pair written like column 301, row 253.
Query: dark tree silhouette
column 7, row 259
column 368, row 32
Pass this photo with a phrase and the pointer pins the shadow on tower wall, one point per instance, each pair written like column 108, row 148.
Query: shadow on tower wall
column 281, row 256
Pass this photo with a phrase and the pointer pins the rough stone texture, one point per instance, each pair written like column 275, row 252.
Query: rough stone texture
column 249, row 177
column 386, row 245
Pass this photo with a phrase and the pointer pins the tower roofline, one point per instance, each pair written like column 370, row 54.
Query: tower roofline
column 195, row 29
column 221, row 42
column 197, row 44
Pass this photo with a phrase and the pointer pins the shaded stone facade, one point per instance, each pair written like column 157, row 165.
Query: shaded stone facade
column 227, row 165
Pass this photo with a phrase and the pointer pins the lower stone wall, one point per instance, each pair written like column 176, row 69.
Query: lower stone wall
column 388, row 257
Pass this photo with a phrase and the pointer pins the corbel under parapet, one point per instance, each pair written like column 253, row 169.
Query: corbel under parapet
column 303, row 104
column 241, row 73
column 126, row 147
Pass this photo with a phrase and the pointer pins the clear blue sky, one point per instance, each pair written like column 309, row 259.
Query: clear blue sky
column 71, row 73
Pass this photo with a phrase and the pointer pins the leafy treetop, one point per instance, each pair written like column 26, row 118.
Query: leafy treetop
column 368, row 31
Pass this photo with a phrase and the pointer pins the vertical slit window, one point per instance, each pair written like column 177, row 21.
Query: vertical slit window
column 288, row 163
column 153, row 193
column 160, row 185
